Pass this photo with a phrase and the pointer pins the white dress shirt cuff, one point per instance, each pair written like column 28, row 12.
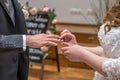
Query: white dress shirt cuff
column 24, row 42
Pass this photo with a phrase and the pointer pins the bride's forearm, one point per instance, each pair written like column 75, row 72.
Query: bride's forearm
column 94, row 61
column 96, row 50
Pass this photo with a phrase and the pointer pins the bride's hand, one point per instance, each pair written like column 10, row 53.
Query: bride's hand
column 72, row 52
column 68, row 37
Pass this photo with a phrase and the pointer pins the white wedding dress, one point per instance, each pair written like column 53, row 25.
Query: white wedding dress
column 111, row 45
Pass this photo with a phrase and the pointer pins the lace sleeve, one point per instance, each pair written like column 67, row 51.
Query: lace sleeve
column 112, row 68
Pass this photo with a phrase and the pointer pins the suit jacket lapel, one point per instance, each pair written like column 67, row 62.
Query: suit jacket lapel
column 5, row 8
column 19, row 18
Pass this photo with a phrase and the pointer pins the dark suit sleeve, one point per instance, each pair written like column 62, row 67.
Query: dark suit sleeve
column 11, row 43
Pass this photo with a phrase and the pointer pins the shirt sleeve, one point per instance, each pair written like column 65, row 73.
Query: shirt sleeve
column 24, row 42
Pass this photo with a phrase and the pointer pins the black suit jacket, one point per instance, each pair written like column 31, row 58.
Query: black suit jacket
column 13, row 61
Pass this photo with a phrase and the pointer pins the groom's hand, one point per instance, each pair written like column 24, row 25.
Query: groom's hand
column 39, row 40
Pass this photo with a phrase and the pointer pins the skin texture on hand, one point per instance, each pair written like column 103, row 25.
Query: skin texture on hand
column 39, row 40
column 77, row 53
column 71, row 52
column 69, row 43
column 67, row 36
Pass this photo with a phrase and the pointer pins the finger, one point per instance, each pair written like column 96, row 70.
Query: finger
column 63, row 35
column 66, row 53
column 66, row 35
column 65, row 44
column 52, row 40
column 64, row 48
column 50, row 43
column 65, row 31
column 63, row 51
column 53, row 36
column 61, row 40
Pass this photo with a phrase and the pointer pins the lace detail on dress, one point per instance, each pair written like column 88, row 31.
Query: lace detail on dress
column 111, row 46
column 112, row 68
column 99, row 77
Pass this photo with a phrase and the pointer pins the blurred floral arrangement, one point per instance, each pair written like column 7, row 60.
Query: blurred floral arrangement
column 27, row 10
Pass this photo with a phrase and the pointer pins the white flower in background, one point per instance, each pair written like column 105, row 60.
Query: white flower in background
column 46, row 9
column 33, row 11
column 26, row 13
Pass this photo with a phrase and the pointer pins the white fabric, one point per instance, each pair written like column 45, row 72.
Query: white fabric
column 24, row 42
column 111, row 45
